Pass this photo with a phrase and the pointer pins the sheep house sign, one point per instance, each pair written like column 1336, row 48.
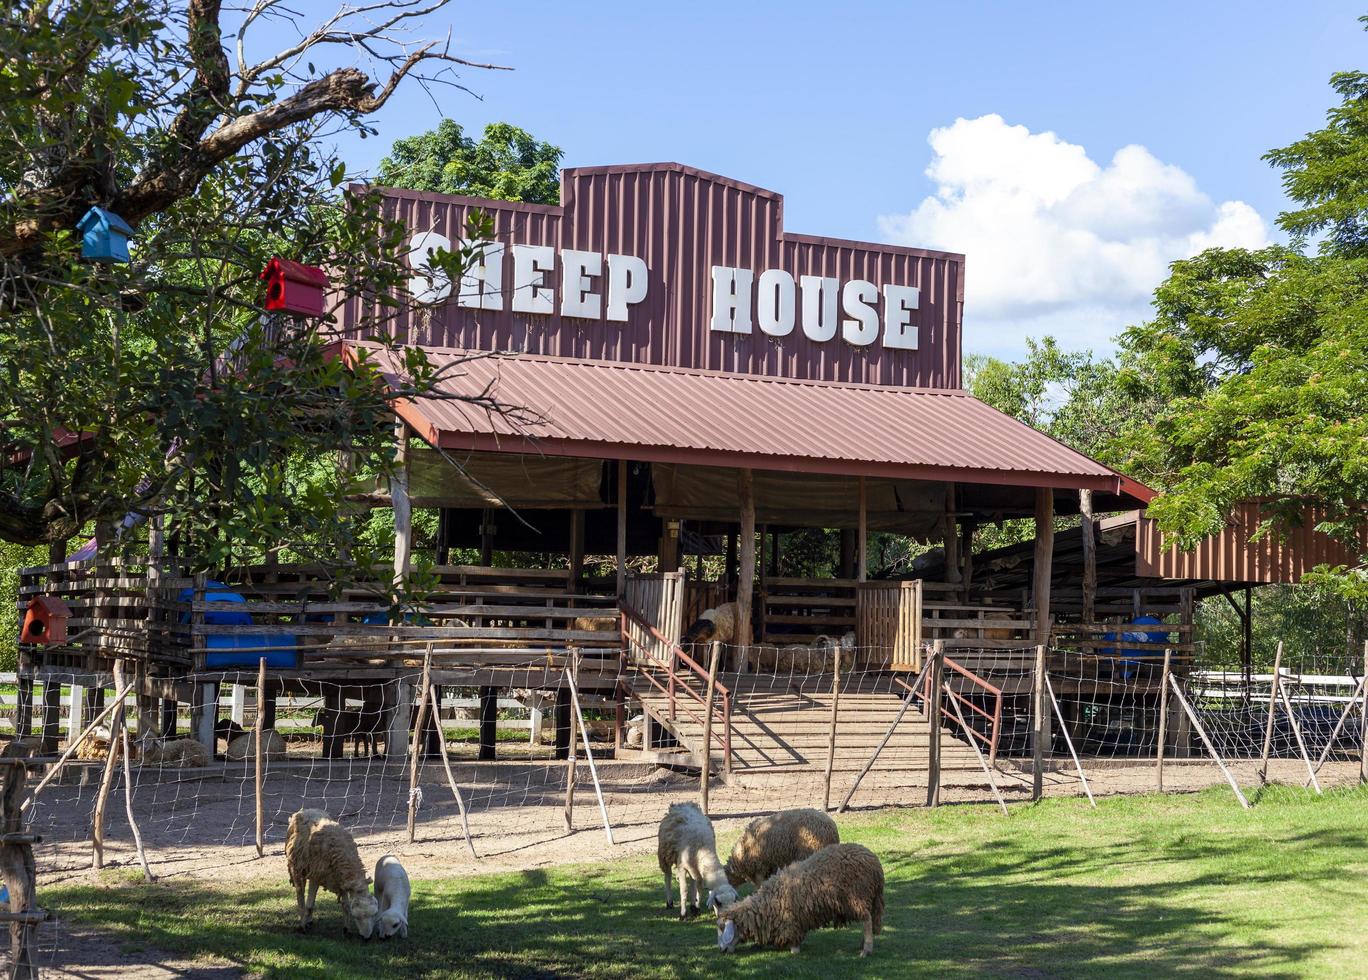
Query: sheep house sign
column 665, row 265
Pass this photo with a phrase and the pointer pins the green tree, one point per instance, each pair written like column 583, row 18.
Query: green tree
column 506, row 164
column 158, row 387
column 1257, row 361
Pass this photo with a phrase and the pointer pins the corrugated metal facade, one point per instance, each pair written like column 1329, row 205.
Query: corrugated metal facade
column 682, row 222
column 598, row 409
column 1231, row 557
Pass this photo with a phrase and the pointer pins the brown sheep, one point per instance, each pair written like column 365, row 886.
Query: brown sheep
column 319, row 852
column 838, row 885
column 770, row 843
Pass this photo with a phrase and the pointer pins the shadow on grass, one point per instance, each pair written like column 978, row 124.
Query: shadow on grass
column 1196, row 901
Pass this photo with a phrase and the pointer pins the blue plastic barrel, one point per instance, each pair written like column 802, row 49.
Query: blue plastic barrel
column 284, row 652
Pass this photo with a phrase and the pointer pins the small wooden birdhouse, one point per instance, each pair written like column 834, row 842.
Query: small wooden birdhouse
column 45, row 621
column 104, row 236
column 293, row 287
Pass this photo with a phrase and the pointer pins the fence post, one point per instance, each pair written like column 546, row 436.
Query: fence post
column 933, row 721
column 831, row 736
column 259, row 776
column 106, row 781
column 1163, row 721
column 570, row 757
column 417, row 746
column 128, row 769
column 1038, row 726
column 705, row 773
column 1272, row 703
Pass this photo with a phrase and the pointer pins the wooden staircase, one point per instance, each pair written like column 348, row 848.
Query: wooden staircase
column 780, row 730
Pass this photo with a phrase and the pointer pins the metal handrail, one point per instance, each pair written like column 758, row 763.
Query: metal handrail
column 722, row 713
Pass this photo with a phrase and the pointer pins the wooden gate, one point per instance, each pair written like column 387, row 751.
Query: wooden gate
column 888, row 624
column 658, row 598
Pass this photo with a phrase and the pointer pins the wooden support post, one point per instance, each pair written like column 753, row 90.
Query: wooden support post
column 23, row 715
column 1088, row 528
column 1163, row 721
column 831, row 731
column 847, row 546
column 489, row 723
column 76, row 711
column 434, row 735
column 18, row 869
column 1211, row 749
column 237, row 702
column 705, row 764
column 576, row 549
column 399, row 501
column 950, row 537
column 571, row 677
column 121, row 724
column 745, row 571
column 563, row 725
column 1038, row 726
column 1272, row 705
column 933, row 722
column 451, row 778
column 334, row 745
column 204, row 714
column 1044, row 557
column 862, row 534
column 589, row 755
column 259, row 772
column 52, row 714
column 169, row 722
column 416, row 749
column 486, row 537
column 397, row 733
column 97, row 827
column 622, row 528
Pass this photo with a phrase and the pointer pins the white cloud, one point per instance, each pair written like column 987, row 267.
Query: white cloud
column 1055, row 242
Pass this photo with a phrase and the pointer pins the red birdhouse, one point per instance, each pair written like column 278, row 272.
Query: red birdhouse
column 294, row 287
column 46, row 621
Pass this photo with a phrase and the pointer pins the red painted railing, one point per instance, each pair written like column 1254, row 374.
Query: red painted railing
column 678, row 666
column 992, row 694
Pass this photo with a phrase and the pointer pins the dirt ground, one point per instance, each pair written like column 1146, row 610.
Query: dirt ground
column 203, row 829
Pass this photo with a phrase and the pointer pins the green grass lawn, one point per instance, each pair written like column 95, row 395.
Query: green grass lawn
column 1142, row 886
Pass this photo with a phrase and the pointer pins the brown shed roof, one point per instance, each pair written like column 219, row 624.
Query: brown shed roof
column 611, row 410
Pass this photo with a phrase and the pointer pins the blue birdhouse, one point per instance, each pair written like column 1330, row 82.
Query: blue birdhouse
column 105, row 236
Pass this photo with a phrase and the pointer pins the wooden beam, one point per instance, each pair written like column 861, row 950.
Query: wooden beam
column 1085, row 509
column 399, row 501
column 862, row 530
column 745, row 572
column 1044, row 555
column 950, row 536
column 576, row 549
column 622, row 528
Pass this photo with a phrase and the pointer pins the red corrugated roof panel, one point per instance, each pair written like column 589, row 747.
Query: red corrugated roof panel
column 614, row 410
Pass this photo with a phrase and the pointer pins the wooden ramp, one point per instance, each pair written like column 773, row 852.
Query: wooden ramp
column 781, row 728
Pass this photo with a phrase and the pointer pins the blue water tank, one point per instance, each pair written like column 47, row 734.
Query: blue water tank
column 284, row 648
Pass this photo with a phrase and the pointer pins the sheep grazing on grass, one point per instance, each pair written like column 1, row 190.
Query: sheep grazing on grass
column 838, row 885
column 319, row 852
column 770, row 843
column 685, row 840
column 174, row 753
column 392, row 894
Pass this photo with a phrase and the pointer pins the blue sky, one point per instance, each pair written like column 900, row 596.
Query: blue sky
column 1095, row 143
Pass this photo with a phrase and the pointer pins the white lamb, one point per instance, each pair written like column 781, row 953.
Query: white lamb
column 686, row 840
column 392, row 895
column 319, row 852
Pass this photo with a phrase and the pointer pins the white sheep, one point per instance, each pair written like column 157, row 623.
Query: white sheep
column 392, row 895
column 839, row 884
column 778, row 840
column 685, row 840
column 319, row 852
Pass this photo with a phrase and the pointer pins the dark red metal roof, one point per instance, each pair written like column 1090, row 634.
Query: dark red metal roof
column 613, row 410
